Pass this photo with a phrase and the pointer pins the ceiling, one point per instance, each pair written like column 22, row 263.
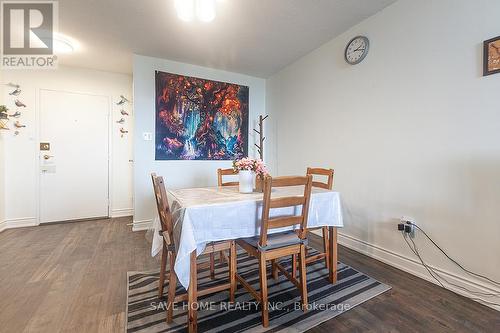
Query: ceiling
column 255, row 37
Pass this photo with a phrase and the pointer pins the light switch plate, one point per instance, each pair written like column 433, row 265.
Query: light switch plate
column 147, row 136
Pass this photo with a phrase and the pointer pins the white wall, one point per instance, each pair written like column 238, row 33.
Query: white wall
column 2, row 168
column 413, row 130
column 177, row 173
column 2, row 182
column 21, row 152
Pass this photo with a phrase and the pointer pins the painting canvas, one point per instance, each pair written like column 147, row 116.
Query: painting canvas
column 492, row 56
column 198, row 119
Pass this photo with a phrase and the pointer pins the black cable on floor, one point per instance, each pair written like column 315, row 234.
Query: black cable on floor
column 436, row 276
column 477, row 293
column 451, row 259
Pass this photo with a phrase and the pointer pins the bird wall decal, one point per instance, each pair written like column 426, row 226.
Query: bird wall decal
column 15, row 92
column 18, row 124
column 121, row 121
column 16, row 114
column 20, row 104
column 123, row 132
column 123, row 100
column 123, row 112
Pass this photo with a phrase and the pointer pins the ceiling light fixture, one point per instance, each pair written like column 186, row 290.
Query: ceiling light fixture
column 203, row 10
column 63, row 44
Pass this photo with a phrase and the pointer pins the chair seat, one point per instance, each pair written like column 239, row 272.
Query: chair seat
column 277, row 240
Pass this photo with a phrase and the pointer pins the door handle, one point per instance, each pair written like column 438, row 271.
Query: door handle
column 46, row 157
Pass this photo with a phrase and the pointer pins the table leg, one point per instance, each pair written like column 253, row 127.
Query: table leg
column 332, row 248
column 193, row 295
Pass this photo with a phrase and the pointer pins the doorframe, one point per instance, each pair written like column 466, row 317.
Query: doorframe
column 38, row 126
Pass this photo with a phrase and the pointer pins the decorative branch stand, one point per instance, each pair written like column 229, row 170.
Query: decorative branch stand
column 260, row 148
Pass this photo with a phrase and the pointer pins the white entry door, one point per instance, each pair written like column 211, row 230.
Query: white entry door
column 74, row 171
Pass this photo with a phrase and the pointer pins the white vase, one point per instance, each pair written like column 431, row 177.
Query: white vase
column 246, row 178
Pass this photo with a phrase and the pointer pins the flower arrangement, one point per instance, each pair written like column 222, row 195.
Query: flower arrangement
column 246, row 168
column 250, row 164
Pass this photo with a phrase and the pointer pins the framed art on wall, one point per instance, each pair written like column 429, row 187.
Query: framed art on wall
column 491, row 62
column 199, row 119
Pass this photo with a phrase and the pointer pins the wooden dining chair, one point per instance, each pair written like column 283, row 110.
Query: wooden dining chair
column 220, row 182
column 277, row 245
column 169, row 249
column 327, row 174
column 166, row 227
column 226, row 172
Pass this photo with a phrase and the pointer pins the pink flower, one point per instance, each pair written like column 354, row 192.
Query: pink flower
column 255, row 165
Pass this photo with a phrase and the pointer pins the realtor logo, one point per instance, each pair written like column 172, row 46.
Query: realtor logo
column 28, row 34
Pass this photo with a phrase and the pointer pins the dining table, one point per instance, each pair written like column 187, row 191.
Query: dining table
column 209, row 214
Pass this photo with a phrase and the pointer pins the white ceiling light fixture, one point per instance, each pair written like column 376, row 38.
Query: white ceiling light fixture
column 203, row 10
column 63, row 44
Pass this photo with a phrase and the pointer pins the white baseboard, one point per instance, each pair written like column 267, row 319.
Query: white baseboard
column 414, row 267
column 142, row 225
column 18, row 223
column 122, row 212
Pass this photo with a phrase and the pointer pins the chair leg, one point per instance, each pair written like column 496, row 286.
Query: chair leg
column 274, row 269
column 232, row 272
column 212, row 266
column 193, row 296
column 263, row 290
column 303, row 277
column 222, row 257
column 294, row 266
column 172, row 286
column 163, row 268
column 325, row 247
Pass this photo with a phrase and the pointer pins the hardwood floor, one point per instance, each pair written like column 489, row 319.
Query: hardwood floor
column 72, row 277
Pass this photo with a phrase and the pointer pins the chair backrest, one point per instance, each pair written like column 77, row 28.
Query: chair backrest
column 322, row 172
column 226, row 172
column 281, row 202
column 164, row 213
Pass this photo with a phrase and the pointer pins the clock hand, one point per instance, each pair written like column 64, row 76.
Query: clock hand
column 359, row 49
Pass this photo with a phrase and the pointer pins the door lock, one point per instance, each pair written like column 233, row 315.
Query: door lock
column 46, row 157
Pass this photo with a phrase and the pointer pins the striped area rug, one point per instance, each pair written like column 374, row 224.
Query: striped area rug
column 146, row 312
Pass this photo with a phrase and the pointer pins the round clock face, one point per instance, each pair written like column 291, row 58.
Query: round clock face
column 356, row 50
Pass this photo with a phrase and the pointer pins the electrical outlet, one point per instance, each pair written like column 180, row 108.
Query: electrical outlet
column 410, row 228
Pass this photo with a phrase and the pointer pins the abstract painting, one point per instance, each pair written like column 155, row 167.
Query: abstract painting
column 198, row 119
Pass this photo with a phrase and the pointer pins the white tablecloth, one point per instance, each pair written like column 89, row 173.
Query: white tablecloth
column 203, row 215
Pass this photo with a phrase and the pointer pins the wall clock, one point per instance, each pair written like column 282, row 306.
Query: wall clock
column 356, row 50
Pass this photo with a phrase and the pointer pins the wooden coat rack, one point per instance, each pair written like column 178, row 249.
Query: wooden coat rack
column 260, row 146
